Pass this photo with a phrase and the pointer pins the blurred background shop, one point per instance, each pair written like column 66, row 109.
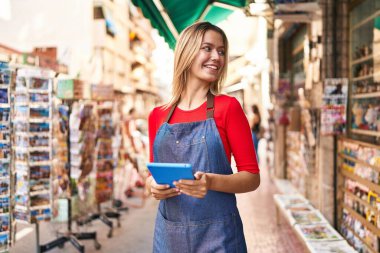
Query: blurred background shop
column 79, row 78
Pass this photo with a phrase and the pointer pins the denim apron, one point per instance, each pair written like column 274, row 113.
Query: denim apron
column 187, row 224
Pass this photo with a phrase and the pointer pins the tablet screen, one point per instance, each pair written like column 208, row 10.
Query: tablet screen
column 166, row 173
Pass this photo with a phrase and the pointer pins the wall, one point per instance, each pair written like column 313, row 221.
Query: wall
column 334, row 64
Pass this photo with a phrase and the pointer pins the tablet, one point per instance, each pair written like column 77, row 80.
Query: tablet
column 166, row 173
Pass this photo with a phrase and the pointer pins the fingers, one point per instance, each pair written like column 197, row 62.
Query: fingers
column 194, row 193
column 164, row 193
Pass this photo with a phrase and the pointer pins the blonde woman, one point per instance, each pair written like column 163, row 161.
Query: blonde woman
column 202, row 128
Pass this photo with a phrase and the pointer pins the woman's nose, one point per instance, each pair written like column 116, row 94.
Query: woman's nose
column 215, row 55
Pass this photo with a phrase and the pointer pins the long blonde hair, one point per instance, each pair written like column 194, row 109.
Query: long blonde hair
column 188, row 45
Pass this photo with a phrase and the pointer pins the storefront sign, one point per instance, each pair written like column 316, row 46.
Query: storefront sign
column 333, row 115
column 102, row 92
column 70, row 89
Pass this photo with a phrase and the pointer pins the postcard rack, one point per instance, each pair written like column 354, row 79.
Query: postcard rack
column 5, row 157
column 32, row 145
column 69, row 235
column 104, row 164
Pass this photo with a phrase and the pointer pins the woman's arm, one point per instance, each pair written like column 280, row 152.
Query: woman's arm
column 236, row 183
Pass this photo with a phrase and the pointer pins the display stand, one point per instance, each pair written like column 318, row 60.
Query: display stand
column 103, row 143
column 68, row 236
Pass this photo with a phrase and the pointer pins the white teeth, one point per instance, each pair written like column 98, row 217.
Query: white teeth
column 212, row 67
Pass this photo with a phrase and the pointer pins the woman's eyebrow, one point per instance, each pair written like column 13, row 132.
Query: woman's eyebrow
column 210, row 44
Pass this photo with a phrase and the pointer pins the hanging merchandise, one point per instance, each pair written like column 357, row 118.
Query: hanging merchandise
column 82, row 150
column 5, row 159
column 333, row 115
column 61, row 180
column 105, row 160
column 32, row 144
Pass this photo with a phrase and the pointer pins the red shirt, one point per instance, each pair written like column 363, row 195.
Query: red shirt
column 231, row 122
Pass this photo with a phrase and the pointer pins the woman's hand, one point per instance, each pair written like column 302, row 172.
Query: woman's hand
column 162, row 191
column 197, row 188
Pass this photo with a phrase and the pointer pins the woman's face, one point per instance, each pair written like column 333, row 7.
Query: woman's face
column 209, row 61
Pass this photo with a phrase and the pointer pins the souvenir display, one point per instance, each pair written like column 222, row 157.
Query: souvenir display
column 359, row 163
column 330, row 247
column 305, row 217
column 288, row 200
column 297, row 165
column 32, row 144
column 104, row 151
column 5, row 157
column 333, row 113
column 82, row 151
column 61, row 180
column 317, row 232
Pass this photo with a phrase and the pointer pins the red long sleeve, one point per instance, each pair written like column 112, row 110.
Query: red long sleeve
column 232, row 125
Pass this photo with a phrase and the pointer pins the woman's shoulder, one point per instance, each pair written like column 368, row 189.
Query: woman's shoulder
column 159, row 111
column 226, row 101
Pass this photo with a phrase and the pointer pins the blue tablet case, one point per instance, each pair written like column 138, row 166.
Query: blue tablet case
column 166, row 173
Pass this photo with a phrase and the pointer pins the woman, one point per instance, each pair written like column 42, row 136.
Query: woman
column 256, row 122
column 201, row 128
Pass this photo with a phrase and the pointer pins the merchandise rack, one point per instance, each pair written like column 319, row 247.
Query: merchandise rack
column 5, row 158
column 69, row 236
column 359, row 166
column 32, row 159
column 110, row 214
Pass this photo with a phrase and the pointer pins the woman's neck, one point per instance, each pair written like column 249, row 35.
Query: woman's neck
column 194, row 95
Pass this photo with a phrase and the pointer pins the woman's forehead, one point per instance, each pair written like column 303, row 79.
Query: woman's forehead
column 214, row 38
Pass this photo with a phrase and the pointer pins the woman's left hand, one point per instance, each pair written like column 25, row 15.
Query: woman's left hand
column 197, row 188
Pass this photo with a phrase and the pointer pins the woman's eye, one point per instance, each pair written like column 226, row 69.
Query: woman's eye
column 221, row 53
column 208, row 49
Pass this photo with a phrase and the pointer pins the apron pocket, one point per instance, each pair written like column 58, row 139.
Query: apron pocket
column 219, row 235
column 169, row 237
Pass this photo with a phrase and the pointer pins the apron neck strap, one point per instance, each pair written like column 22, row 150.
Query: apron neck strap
column 209, row 110
column 210, row 105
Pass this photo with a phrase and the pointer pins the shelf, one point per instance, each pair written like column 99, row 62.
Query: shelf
column 363, row 59
column 352, row 159
column 361, row 180
column 360, row 238
column 363, row 202
column 365, row 21
column 362, row 220
column 343, row 138
column 366, row 132
column 361, row 78
column 367, row 95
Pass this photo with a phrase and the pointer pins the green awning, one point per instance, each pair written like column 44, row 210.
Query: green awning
column 182, row 13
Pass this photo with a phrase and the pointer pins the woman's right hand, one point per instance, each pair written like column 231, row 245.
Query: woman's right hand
column 162, row 191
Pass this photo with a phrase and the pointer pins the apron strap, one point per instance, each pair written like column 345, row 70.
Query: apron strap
column 171, row 112
column 209, row 112
column 210, row 105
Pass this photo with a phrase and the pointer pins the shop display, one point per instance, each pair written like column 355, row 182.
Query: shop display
column 330, row 247
column 82, row 151
column 359, row 163
column 318, row 232
column 333, row 113
column 5, row 157
column 365, row 71
column 104, row 158
column 305, row 217
column 297, row 170
column 60, row 175
column 32, row 144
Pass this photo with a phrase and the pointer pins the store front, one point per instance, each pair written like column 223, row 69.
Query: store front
column 358, row 153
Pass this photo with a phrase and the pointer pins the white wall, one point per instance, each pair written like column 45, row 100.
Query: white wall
column 65, row 24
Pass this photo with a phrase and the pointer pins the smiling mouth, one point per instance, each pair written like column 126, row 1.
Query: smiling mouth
column 212, row 67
